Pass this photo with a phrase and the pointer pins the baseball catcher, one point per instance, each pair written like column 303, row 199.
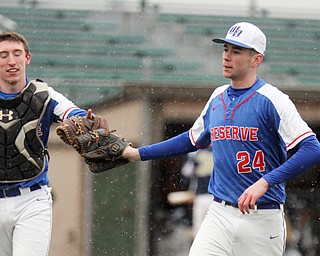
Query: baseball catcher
column 91, row 138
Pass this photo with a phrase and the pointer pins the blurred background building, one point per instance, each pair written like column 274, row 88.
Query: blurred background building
column 149, row 67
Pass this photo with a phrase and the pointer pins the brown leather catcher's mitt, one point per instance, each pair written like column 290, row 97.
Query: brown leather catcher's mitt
column 90, row 136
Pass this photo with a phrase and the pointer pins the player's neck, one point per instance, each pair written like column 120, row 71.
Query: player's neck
column 243, row 83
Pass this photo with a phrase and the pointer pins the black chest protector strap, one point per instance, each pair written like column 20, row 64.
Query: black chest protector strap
column 22, row 153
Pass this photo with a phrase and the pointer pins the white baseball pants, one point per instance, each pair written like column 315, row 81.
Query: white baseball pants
column 227, row 232
column 25, row 223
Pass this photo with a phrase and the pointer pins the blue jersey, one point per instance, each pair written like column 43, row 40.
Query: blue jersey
column 58, row 108
column 250, row 136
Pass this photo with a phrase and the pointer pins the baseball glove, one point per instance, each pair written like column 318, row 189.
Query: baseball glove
column 75, row 126
column 92, row 139
column 102, row 150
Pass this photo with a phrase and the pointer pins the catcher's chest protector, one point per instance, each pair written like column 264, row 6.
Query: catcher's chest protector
column 22, row 153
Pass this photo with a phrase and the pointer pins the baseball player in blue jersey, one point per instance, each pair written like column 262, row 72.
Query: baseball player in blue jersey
column 250, row 125
column 27, row 110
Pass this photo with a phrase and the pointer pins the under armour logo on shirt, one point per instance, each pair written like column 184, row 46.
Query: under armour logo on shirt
column 8, row 115
column 235, row 31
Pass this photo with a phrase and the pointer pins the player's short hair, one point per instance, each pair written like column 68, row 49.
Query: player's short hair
column 14, row 36
column 253, row 52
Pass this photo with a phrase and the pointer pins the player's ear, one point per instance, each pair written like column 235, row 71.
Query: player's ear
column 257, row 59
column 28, row 58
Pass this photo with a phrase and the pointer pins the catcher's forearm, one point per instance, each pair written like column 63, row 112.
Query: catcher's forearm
column 132, row 154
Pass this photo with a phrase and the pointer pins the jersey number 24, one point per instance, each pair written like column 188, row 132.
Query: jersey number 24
column 243, row 164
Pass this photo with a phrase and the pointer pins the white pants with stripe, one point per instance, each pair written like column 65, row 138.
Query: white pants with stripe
column 227, row 232
column 25, row 223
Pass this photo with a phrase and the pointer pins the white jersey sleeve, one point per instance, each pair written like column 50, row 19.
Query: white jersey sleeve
column 292, row 127
column 63, row 105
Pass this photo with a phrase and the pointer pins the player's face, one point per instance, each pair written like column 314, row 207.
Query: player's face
column 13, row 62
column 237, row 62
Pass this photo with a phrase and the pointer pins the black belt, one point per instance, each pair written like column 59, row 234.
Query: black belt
column 16, row 191
column 259, row 206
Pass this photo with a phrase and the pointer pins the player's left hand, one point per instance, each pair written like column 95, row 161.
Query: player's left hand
column 251, row 195
column 75, row 126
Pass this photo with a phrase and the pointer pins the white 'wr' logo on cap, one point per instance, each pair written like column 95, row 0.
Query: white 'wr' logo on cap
column 235, row 31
